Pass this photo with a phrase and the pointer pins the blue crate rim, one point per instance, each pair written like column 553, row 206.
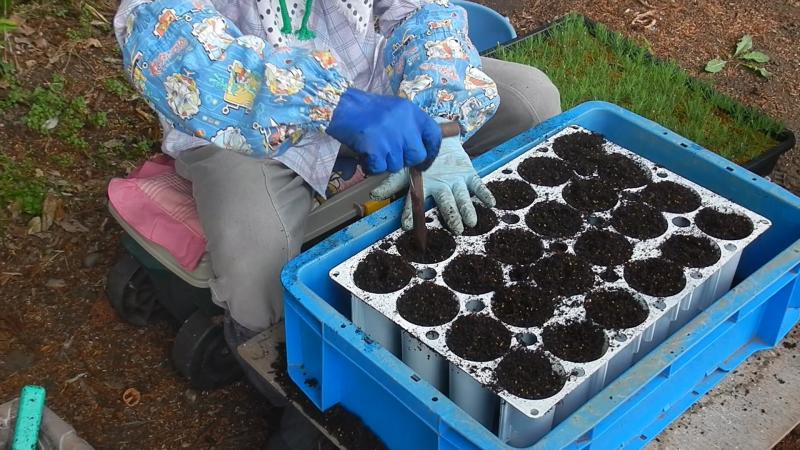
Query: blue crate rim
column 762, row 164
column 603, row 404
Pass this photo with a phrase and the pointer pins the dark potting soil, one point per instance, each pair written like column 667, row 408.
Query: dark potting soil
column 722, row 225
column 581, row 150
column 514, row 246
column 440, row 246
column 428, row 304
column 603, row 248
column 381, row 273
column 622, row 171
column 529, row 374
column 553, row 219
column 592, row 194
column 575, row 341
column 511, row 194
column 523, row 305
column 563, row 274
column 544, row 171
column 478, row 337
column 691, row 251
column 615, row 308
column 639, row 221
column 655, row 276
column 473, row 274
column 672, row 197
column 487, row 220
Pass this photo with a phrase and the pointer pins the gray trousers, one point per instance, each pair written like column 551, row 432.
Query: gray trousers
column 253, row 211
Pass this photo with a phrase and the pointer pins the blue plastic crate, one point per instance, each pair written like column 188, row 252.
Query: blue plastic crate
column 406, row 412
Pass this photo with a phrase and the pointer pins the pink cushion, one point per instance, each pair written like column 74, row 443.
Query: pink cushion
column 157, row 203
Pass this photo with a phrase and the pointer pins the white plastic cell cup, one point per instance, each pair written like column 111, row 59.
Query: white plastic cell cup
column 427, row 363
column 477, row 401
column 378, row 327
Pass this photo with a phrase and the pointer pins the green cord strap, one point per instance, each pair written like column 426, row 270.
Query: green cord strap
column 304, row 33
column 287, row 21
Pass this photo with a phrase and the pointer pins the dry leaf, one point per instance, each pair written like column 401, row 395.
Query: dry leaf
column 35, row 225
column 93, row 42
column 55, row 283
column 71, row 225
column 52, row 210
column 41, row 43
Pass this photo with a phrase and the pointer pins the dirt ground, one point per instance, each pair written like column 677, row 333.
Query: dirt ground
column 56, row 328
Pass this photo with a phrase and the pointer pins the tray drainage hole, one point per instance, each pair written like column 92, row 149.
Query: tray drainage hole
column 426, row 273
column 475, row 305
column 578, row 372
column 730, row 247
column 619, row 337
column 543, row 149
column 558, row 247
column 729, row 169
column 435, row 399
column 429, row 220
column 596, row 221
column 342, row 326
column 508, row 171
column 696, row 275
column 526, row 338
column 660, row 305
column 534, row 412
column 681, row 221
column 385, row 246
column 684, row 145
column 415, row 378
column 432, row 335
column 661, row 174
column 510, row 218
column 335, row 274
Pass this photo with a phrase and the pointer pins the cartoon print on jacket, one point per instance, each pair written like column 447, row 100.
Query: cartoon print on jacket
column 242, row 87
column 449, row 48
column 212, row 34
column 254, row 43
column 164, row 21
column 477, row 79
column 410, row 88
column 183, row 96
column 232, row 139
column 284, row 82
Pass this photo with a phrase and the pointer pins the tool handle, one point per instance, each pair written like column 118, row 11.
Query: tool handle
column 450, row 129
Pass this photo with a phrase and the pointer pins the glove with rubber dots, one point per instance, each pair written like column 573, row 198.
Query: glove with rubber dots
column 450, row 180
column 388, row 132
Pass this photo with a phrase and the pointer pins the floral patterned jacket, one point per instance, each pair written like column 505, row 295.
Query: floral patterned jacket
column 235, row 73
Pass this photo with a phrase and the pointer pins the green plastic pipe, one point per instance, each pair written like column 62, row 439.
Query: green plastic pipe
column 29, row 418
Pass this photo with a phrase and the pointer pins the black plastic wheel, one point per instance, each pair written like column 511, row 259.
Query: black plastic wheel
column 132, row 293
column 201, row 354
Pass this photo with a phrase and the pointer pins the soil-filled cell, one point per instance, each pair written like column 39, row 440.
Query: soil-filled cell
column 544, row 171
column 638, row 221
column 530, row 374
column 590, row 195
column 440, row 246
column 603, row 248
column 487, row 220
column 514, row 246
column 575, row 341
column 428, row 304
column 563, row 274
column 655, row 276
column 511, row 194
column 381, row 273
column 622, row 171
column 478, row 337
column 581, row 150
column 691, row 251
column 523, row 305
column 671, row 197
column 615, row 308
column 723, row 225
column 554, row 220
column 473, row 274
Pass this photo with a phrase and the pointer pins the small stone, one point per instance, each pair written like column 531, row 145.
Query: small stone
column 91, row 260
column 190, row 395
column 35, row 225
column 55, row 283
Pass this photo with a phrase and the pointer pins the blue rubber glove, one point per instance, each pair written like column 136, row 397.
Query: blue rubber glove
column 388, row 132
column 450, row 180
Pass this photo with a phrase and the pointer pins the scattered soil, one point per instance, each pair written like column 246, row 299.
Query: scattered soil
column 428, row 305
column 544, row 171
column 529, row 374
column 722, row 225
column 511, row 194
column 615, row 308
column 381, row 273
column 487, row 220
column 523, row 305
column 514, row 246
column 440, row 246
column 581, row 150
column 603, row 248
column 349, row 430
column 575, row 341
column 473, row 274
column 563, row 274
column 672, row 197
column 638, row 221
column 691, row 251
column 478, row 337
column 622, row 171
column 592, row 194
column 656, row 276
column 553, row 219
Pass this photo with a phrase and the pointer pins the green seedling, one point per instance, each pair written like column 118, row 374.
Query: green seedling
column 745, row 56
column 18, row 184
column 603, row 65
column 119, row 88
